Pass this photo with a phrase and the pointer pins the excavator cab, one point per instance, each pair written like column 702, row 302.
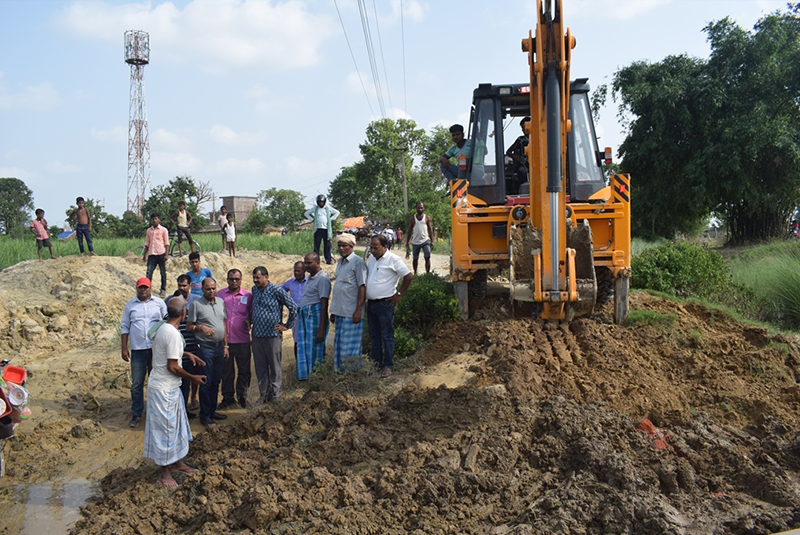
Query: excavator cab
column 492, row 179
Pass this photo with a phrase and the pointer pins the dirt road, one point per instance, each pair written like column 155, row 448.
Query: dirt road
column 499, row 425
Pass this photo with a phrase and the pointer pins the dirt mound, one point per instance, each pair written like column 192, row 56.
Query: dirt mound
column 686, row 424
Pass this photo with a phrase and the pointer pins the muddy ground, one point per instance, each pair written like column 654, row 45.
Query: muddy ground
column 687, row 424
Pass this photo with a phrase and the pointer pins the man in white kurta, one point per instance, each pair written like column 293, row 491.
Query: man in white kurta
column 167, row 433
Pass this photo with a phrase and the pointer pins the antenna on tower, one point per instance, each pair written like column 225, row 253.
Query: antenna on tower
column 137, row 55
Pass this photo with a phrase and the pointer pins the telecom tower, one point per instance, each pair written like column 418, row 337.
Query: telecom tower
column 137, row 55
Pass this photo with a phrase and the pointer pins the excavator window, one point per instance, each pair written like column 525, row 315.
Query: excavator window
column 482, row 162
column 585, row 175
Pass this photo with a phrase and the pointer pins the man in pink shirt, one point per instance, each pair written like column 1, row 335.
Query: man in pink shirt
column 239, row 305
column 156, row 246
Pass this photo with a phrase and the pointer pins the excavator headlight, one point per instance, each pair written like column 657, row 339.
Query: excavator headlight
column 518, row 213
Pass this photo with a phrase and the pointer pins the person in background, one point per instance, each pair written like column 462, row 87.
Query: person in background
column 347, row 304
column 39, row 227
column 230, row 235
column 156, row 247
column 222, row 220
column 312, row 333
column 139, row 314
column 166, row 429
column 238, row 308
column 295, row 287
column 384, row 270
column 420, row 235
column 197, row 274
column 83, row 225
column 322, row 214
column 459, row 150
column 181, row 218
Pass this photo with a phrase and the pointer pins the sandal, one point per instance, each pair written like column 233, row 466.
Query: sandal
column 194, row 405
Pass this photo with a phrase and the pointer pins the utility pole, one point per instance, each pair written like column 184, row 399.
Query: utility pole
column 403, row 174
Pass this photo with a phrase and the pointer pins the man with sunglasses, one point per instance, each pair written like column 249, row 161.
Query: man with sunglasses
column 239, row 307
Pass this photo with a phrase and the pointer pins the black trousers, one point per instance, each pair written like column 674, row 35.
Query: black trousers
column 321, row 235
column 238, row 355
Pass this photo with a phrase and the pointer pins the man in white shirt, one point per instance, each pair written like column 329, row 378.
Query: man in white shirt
column 322, row 215
column 384, row 270
column 139, row 315
column 166, row 430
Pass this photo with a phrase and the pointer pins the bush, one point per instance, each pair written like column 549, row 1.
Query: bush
column 429, row 299
column 406, row 343
column 682, row 269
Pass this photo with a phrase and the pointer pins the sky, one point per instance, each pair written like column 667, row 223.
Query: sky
column 249, row 95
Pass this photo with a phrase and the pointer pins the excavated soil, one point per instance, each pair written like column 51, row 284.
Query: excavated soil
column 688, row 425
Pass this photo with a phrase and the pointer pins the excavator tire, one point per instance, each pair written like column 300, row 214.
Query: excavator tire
column 605, row 285
column 477, row 285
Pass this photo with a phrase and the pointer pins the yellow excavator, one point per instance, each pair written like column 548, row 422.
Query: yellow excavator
column 560, row 228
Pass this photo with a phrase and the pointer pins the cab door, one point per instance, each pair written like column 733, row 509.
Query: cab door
column 485, row 161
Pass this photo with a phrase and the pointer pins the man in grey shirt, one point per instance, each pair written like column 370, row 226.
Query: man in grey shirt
column 207, row 320
column 347, row 303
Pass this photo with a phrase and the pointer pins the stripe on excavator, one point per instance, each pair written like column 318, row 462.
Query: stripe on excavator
column 621, row 188
column 457, row 186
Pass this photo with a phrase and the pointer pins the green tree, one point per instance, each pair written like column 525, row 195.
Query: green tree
column 284, row 207
column 163, row 200
column 373, row 186
column 128, row 226
column 16, row 204
column 717, row 136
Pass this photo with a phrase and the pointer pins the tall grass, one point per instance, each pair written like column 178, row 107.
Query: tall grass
column 772, row 272
column 15, row 250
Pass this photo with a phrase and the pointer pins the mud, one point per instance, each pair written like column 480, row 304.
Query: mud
column 500, row 425
column 524, row 240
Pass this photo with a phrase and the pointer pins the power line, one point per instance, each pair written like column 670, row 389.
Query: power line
column 371, row 55
column 354, row 58
column 383, row 59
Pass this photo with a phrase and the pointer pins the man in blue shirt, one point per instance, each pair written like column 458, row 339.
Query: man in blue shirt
column 268, row 302
column 295, row 287
column 459, row 151
column 197, row 274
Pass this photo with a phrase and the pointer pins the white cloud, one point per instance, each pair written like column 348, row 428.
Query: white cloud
column 115, row 134
column 226, row 136
column 60, row 168
column 42, row 97
column 267, row 101
column 412, row 10
column 611, row 9
column 232, row 167
column 174, row 163
column 214, row 35
column 354, row 83
column 170, row 141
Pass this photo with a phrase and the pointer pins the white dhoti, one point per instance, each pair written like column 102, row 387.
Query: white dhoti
column 166, row 431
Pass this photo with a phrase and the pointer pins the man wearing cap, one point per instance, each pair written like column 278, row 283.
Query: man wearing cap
column 347, row 303
column 139, row 315
column 384, row 270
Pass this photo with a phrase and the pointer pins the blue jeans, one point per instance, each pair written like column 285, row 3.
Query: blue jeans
column 214, row 356
column 154, row 260
column 82, row 231
column 451, row 173
column 380, row 316
column 141, row 364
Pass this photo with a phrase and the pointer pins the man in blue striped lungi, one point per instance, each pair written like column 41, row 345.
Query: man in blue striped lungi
column 347, row 303
column 312, row 329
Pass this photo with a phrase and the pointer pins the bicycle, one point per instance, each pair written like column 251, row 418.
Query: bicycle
column 173, row 245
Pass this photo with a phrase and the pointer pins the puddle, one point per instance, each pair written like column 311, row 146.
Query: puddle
column 52, row 508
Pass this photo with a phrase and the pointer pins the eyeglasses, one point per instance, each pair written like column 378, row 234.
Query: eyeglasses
column 234, row 278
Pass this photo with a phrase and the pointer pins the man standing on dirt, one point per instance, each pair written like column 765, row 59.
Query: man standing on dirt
column 190, row 346
column 222, row 220
column 268, row 303
column 181, row 218
column 166, row 430
column 295, row 287
column 347, row 304
column 238, row 306
column 312, row 334
column 156, row 246
column 420, row 236
column 197, row 275
column 139, row 315
column 322, row 215
column 207, row 320
column 384, row 270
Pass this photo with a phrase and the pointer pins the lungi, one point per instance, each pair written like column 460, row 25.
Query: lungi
column 166, row 430
column 347, row 344
column 309, row 352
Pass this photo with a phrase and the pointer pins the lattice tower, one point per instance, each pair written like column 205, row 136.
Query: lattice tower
column 137, row 55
